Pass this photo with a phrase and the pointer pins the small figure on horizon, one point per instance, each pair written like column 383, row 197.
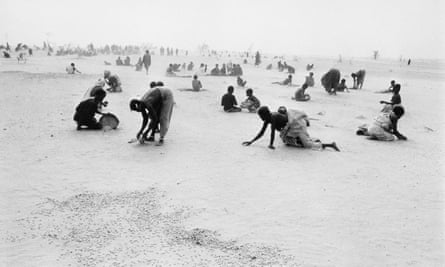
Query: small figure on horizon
column 146, row 60
column 119, row 61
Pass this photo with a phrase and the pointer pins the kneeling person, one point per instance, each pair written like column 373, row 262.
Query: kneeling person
column 86, row 110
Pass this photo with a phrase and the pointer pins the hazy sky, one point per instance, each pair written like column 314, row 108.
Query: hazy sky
column 412, row 28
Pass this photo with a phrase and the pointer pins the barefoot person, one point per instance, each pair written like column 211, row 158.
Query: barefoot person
column 251, row 103
column 85, row 111
column 228, row 101
column 384, row 127
column 292, row 125
column 156, row 105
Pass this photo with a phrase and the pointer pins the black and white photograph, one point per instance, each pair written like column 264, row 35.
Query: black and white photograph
column 222, row 133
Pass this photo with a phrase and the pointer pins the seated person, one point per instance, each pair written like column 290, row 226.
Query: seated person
column 190, row 66
column 71, row 69
column 119, row 61
column 127, row 61
column 300, row 94
column 251, row 103
column 169, row 71
column 223, row 70
column 228, row 101
column 139, row 65
column 341, row 87
column 310, row 80
column 269, row 67
column 215, row 71
column 395, row 99
column 287, row 81
column 390, row 89
column 113, row 81
column 196, row 84
column 86, row 110
column 176, row 67
column 384, row 127
column 240, row 81
column 290, row 69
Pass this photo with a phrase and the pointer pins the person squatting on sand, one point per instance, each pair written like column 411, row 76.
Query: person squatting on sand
column 310, row 80
column 251, row 103
column 287, row 81
column 292, row 126
column 240, row 81
column 341, row 87
column 157, row 105
column 300, row 94
column 330, row 81
column 228, row 101
column 71, row 69
column 395, row 99
column 85, row 111
column 113, row 81
column 384, row 127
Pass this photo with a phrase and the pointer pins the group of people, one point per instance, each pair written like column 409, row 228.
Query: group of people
column 227, row 70
column 156, row 107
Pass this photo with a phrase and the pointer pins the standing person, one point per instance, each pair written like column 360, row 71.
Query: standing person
column 257, row 58
column 228, row 101
column 146, row 60
column 156, row 105
column 85, row 111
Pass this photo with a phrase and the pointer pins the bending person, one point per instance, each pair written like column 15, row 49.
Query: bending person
column 156, row 105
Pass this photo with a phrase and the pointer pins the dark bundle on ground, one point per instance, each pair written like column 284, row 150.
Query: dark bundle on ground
column 330, row 80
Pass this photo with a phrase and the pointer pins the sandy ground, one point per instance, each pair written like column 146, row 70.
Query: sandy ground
column 89, row 198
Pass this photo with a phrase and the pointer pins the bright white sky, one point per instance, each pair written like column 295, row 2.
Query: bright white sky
column 411, row 28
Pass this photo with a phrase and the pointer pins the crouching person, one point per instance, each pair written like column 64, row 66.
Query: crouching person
column 86, row 110
column 384, row 127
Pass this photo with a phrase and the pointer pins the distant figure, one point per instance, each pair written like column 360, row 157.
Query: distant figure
column 6, row 54
column 290, row 69
column 139, row 64
column 146, row 60
column 156, row 105
column 127, row 61
column 245, row 61
column 330, row 80
column 384, row 127
column 251, row 103
column 223, row 70
column 396, row 99
column 228, row 101
column 257, row 58
column 113, row 81
column 169, row 71
column 85, row 111
column 309, row 67
column 390, row 88
column 119, row 61
column 280, row 66
column 190, row 66
column 287, row 81
column 196, row 84
column 240, row 81
column 71, row 69
column 300, row 94
column 215, row 71
column 409, row 62
column 21, row 57
column 30, row 51
column 292, row 126
column 269, row 67
column 341, row 87
column 360, row 78
column 310, row 80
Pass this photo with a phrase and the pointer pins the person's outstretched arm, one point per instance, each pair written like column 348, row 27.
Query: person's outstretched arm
column 259, row 135
column 395, row 131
